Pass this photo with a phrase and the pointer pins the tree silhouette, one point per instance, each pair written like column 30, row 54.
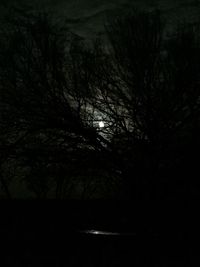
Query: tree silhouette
column 55, row 89
column 148, row 87
column 43, row 91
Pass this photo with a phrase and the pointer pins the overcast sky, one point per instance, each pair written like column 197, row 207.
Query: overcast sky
column 91, row 14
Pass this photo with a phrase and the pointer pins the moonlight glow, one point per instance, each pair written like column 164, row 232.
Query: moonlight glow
column 101, row 124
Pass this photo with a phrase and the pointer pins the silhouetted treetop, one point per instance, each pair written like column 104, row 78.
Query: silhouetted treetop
column 88, row 118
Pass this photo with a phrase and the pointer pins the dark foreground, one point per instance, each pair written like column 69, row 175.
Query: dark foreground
column 52, row 239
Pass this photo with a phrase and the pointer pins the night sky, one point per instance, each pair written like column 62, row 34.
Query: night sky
column 90, row 15
column 150, row 244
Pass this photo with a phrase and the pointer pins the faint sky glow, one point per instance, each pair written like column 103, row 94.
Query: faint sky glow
column 91, row 14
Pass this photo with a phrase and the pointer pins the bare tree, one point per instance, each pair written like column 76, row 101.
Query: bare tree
column 44, row 86
column 148, row 93
column 85, row 119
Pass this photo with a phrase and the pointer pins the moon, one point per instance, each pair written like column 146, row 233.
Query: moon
column 101, row 124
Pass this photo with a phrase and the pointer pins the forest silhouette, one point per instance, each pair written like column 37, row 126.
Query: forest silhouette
column 55, row 89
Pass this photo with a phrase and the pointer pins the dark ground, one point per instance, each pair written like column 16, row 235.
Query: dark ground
column 51, row 237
